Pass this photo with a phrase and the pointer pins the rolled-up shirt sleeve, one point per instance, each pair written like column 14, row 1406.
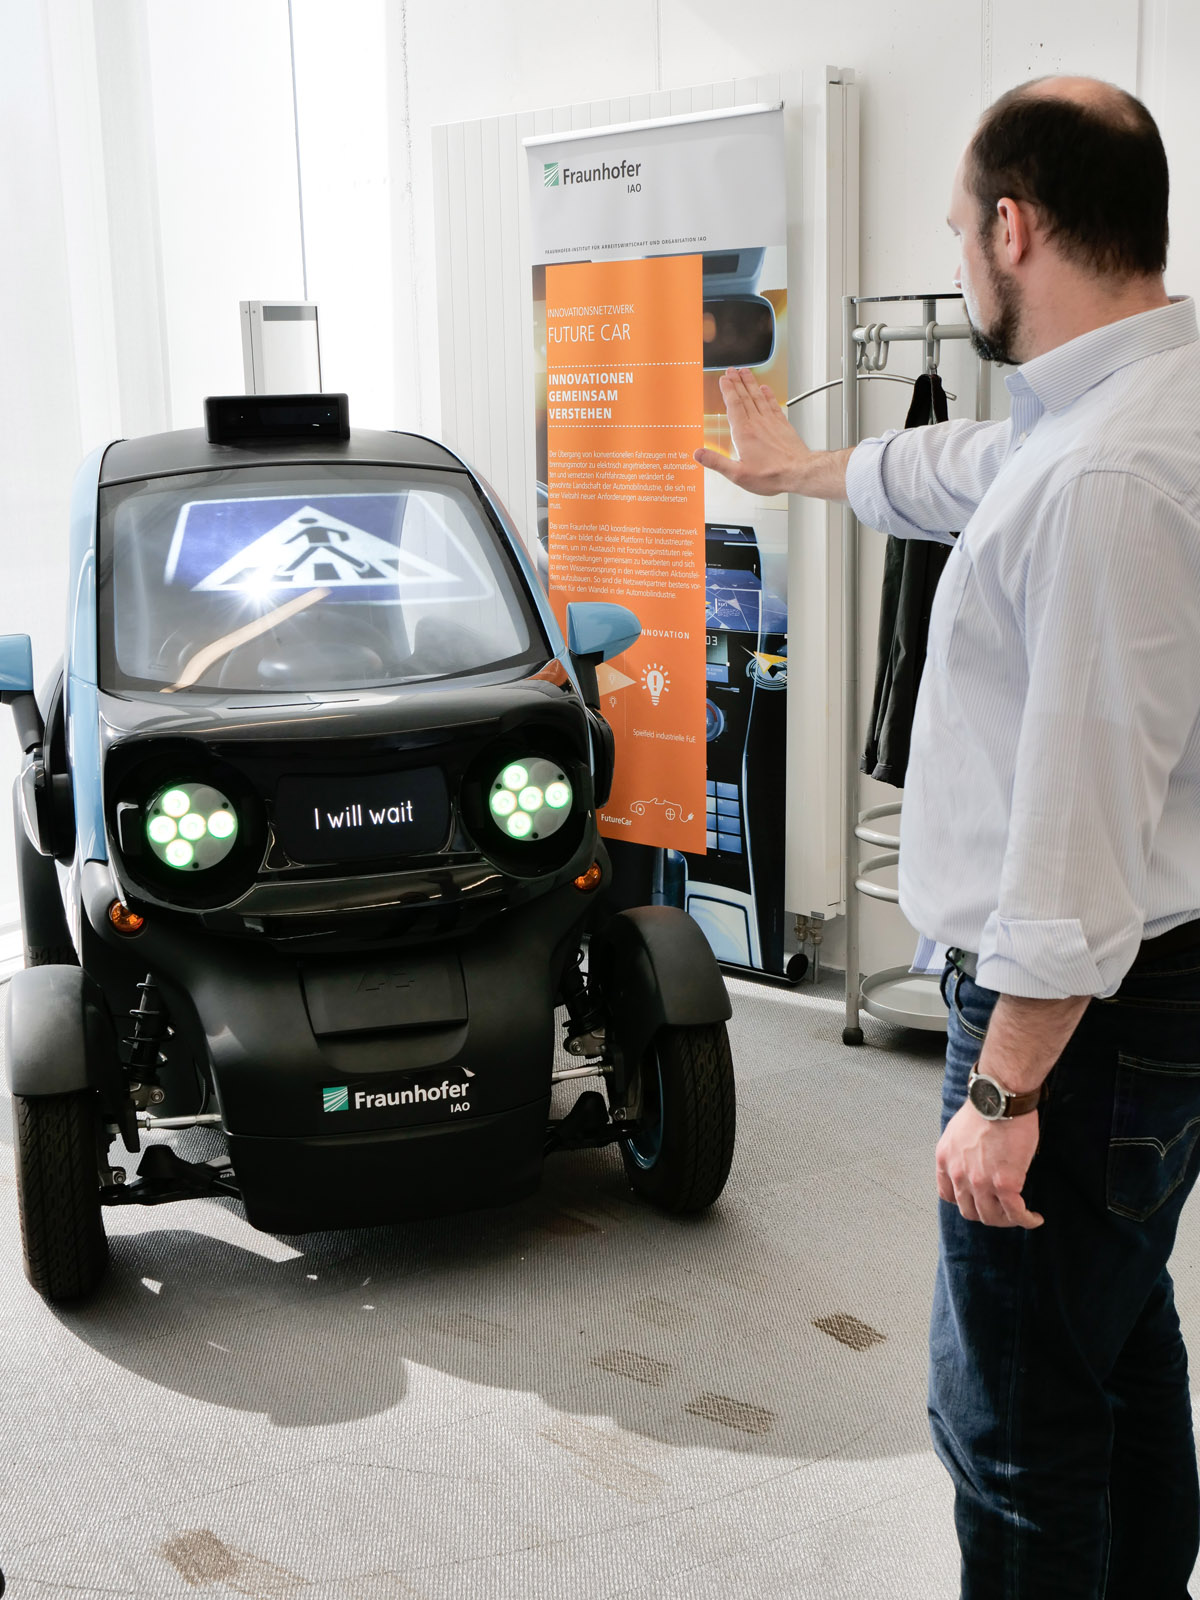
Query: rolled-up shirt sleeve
column 1111, row 602
column 924, row 483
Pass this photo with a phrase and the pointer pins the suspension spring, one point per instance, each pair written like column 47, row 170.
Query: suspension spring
column 585, row 1019
column 150, row 1031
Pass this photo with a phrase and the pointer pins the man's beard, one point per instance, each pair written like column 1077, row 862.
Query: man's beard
column 995, row 343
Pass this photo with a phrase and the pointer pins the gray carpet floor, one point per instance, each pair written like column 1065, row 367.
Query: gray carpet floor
column 574, row 1397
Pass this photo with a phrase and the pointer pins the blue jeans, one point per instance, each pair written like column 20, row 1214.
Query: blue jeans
column 1058, row 1389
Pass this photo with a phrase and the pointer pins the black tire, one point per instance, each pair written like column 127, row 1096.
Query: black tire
column 680, row 1156
column 58, row 1193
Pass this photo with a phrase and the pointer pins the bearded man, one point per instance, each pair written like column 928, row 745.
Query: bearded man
column 1051, row 837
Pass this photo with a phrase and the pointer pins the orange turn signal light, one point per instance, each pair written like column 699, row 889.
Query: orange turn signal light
column 124, row 920
column 586, row 881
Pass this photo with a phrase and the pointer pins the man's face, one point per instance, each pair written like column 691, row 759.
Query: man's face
column 991, row 295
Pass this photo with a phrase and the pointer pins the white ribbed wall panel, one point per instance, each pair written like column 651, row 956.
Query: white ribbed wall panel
column 485, row 329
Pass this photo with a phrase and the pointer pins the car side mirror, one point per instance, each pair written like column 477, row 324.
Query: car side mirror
column 739, row 322
column 739, row 331
column 597, row 631
column 16, row 687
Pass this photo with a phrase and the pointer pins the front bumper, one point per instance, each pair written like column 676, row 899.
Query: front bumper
column 392, row 1175
column 377, row 1084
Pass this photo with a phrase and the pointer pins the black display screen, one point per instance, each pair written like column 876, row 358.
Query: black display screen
column 370, row 818
column 716, row 668
column 240, row 419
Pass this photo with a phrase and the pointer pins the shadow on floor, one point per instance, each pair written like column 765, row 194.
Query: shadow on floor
column 695, row 1332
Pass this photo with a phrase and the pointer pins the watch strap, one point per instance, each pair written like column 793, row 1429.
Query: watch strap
column 1018, row 1104
column 1015, row 1105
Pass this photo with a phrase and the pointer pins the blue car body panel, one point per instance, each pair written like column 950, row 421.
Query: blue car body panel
column 83, row 712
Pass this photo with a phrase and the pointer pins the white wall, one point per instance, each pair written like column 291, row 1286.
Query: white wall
column 39, row 397
column 1169, row 57
column 149, row 183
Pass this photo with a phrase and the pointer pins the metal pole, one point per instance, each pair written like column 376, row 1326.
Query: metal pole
column 931, row 343
column 851, row 1033
column 983, row 390
column 299, row 167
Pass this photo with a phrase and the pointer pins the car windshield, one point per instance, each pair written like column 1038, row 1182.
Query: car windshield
column 303, row 578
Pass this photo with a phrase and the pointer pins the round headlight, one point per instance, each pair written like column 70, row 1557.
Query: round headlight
column 531, row 798
column 191, row 826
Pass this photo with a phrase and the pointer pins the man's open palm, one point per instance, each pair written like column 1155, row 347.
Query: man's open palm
column 768, row 451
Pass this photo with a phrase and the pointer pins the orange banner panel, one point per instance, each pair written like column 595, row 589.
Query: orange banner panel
column 624, row 414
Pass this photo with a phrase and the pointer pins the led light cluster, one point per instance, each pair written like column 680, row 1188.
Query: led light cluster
column 191, row 826
column 531, row 798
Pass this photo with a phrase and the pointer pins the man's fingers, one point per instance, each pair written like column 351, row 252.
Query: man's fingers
column 716, row 462
column 733, row 392
column 750, row 394
column 764, row 401
column 759, row 396
column 991, row 1212
column 955, row 1188
column 1016, row 1212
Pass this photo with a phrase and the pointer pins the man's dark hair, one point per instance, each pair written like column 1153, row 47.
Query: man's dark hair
column 1096, row 172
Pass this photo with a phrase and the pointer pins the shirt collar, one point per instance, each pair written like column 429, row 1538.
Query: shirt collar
column 1059, row 377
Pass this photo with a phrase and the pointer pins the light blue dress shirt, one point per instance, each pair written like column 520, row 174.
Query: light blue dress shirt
column 1051, row 813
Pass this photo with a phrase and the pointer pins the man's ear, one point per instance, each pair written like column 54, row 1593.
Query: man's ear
column 1015, row 232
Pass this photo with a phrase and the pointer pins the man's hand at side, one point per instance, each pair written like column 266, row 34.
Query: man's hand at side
column 771, row 457
column 981, row 1167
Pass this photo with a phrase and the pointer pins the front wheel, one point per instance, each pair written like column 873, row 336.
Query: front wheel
column 58, row 1192
column 678, row 1155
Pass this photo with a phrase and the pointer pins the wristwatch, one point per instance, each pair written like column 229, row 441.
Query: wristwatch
column 993, row 1101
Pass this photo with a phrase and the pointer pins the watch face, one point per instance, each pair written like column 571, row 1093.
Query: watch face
column 986, row 1097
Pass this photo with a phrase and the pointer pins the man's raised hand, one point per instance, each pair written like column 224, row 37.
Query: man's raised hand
column 770, row 456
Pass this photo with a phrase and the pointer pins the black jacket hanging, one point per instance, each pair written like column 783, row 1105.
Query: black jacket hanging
column 911, row 571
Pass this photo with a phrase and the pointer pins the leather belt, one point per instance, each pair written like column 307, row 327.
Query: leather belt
column 1184, row 937
column 967, row 961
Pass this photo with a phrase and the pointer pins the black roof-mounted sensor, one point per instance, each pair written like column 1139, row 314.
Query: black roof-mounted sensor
column 247, row 418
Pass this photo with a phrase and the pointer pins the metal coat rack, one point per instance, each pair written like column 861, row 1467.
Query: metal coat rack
column 895, row 994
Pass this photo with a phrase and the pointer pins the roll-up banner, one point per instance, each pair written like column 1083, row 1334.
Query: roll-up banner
column 659, row 261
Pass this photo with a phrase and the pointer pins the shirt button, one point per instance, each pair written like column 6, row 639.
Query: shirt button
column 1022, row 436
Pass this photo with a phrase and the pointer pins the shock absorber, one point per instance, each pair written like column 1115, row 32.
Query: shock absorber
column 150, row 1030
column 585, row 1021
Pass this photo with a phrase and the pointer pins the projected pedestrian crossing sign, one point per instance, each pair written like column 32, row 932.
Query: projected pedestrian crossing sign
column 355, row 546
column 313, row 548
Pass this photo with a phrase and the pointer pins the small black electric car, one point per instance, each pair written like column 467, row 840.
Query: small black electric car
column 308, row 854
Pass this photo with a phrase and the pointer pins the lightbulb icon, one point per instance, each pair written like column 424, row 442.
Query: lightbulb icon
column 656, row 681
